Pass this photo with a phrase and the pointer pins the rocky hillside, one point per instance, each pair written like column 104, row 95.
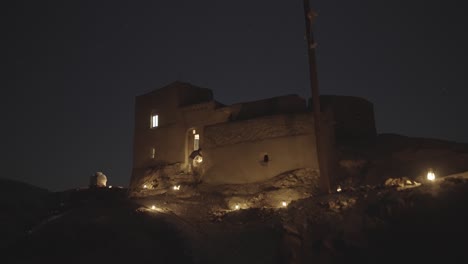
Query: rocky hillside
column 22, row 206
column 391, row 156
column 371, row 224
column 372, row 219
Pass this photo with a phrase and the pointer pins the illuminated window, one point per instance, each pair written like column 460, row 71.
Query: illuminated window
column 154, row 120
column 196, row 141
column 153, row 153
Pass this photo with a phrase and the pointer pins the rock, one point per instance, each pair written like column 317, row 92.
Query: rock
column 160, row 179
column 98, row 180
column 401, row 183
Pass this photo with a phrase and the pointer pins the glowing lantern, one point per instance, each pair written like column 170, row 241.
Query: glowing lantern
column 176, row 187
column 431, row 175
column 237, row 207
column 153, row 207
column 284, row 204
column 199, row 159
column 144, row 186
column 338, row 189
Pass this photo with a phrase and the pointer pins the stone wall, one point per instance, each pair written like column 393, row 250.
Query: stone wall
column 234, row 152
column 353, row 116
column 258, row 129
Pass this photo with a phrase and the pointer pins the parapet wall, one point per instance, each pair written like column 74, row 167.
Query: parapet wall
column 257, row 129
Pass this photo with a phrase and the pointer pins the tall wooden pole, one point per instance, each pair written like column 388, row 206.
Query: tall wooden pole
column 320, row 139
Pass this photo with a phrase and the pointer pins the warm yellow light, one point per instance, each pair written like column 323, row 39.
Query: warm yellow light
column 194, row 131
column 284, row 204
column 176, row 187
column 153, row 207
column 237, row 207
column 431, row 176
column 154, row 121
column 144, row 186
column 338, row 189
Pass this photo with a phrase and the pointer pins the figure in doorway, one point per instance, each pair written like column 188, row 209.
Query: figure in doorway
column 196, row 153
column 196, row 159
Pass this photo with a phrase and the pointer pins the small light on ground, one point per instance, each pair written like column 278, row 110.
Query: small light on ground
column 176, row 187
column 431, row 176
column 110, row 186
column 284, row 204
column 338, row 189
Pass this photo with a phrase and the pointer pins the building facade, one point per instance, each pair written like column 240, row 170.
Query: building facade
column 240, row 143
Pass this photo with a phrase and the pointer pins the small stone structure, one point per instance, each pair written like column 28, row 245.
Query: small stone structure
column 242, row 143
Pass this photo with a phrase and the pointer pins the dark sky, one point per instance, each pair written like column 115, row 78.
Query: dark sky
column 74, row 68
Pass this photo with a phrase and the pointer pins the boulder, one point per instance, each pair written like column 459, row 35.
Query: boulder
column 98, row 180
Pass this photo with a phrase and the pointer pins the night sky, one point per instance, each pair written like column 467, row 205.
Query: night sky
column 74, row 68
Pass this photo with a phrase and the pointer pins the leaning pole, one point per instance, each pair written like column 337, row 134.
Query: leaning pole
column 310, row 16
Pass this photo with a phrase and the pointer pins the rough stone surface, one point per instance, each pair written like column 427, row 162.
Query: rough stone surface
column 161, row 179
column 286, row 187
column 258, row 129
